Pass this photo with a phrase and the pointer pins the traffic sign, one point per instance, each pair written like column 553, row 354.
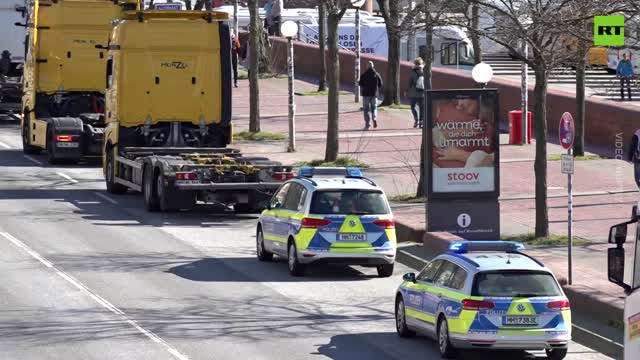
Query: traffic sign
column 566, row 164
column 566, row 130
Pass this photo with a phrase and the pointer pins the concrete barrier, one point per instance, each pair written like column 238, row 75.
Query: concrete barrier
column 608, row 123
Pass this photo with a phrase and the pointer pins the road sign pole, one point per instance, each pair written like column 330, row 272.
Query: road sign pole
column 570, row 221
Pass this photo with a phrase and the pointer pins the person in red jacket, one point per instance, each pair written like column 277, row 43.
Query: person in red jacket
column 235, row 52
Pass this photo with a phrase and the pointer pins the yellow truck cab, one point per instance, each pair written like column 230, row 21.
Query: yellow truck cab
column 63, row 103
column 168, row 113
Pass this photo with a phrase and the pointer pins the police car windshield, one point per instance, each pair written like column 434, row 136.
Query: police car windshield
column 515, row 284
column 359, row 202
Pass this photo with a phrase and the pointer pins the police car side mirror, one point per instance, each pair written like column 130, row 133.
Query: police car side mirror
column 618, row 234
column 409, row 277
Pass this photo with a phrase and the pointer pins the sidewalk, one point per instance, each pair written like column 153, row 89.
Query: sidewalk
column 604, row 190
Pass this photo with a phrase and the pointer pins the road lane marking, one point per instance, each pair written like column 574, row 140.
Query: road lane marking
column 106, row 197
column 67, row 177
column 33, row 160
column 5, row 145
column 97, row 298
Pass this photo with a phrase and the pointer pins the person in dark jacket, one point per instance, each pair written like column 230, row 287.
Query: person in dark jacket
column 370, row 84
column 235, row 53
column 624, row 71
column 416, row 92
column 634, row 156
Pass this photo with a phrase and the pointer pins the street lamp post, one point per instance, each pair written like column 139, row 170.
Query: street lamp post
column 289, row 29
column 525, row 95
column 357, row 4
column 235, row 18
column 482, row 74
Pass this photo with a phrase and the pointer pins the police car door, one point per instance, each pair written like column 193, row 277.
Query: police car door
column 271, row 219
column 288, row 218
column 438, row 296
column 418, row 315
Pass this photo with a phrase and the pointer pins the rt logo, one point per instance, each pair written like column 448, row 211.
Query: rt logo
column 608, row 31
column 464, row 220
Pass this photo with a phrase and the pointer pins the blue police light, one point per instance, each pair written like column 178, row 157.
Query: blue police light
column 462, row 247
column 305, row 171
column 354, row 172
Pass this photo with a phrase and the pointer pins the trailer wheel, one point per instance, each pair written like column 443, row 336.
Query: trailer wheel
column 27, row 148
column 165, row 199
column 149, row 191
column 110, row 176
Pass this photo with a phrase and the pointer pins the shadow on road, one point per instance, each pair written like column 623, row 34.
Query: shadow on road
column 212, row 270
column 15, row 158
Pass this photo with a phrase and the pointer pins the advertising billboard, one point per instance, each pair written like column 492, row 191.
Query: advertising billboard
column 464, row 152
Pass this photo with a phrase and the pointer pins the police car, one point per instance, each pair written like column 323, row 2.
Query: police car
column 485, row 294
column 328, row 215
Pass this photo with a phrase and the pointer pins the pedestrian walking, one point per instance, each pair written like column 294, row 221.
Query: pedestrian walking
column 370, row 83
column 275, row 17
column 5, row 64
column 624, row 71
column 235, row 53
column 634, row 156
column 416, row 92
column 267, row 14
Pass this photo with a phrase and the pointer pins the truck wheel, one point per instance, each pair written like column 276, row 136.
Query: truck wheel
column 149, row 191
column 165, row 199
column 110, row 176
column 27, row 148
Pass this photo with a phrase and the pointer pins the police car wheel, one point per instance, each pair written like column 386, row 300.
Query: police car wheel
column 385, row 270
column 262, row 254
column 556, row 354
column 295, row 268
column 401, row 320
column 444, row 344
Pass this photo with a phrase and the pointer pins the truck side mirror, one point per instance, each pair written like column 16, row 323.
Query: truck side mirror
column 618, row 234
column 615, row 266
column 20, row 24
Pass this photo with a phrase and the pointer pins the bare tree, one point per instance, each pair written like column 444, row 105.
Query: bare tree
column 255, row 35
column 399, row 19
column 475, row 38
column 335, row 11
column 542, row 24
column 322, row 42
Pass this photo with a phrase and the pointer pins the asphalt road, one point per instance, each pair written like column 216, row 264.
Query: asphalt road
column 87, row 275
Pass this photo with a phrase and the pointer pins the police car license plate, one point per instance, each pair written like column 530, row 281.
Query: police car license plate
column 520, row 320
column 352, row 237
column 68, row 144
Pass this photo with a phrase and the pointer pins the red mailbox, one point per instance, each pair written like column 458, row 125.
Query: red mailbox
column 515, row 127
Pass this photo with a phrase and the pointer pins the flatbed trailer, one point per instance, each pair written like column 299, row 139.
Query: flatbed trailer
column 175, row 178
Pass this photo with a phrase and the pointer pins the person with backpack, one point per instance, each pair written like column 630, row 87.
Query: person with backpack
column 370, row 83
column 416, row 92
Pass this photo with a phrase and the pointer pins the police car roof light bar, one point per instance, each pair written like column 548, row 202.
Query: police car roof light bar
column 463, row 247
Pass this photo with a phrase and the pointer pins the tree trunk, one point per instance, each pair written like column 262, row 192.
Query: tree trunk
column 392, row 85
column 540, row 166
column 475, row 37
column 255, row 32
column 322, row 42
column 427, row 73
column 581, row 67
column 333, row 77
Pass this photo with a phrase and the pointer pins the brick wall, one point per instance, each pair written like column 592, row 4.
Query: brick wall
column 605, row 120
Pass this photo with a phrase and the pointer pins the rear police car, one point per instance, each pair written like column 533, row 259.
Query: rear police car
column 328, row 215
column 486, row 294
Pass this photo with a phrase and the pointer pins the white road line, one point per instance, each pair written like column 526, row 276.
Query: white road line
column 97, row 298
column 5, row 145
column 33, row 160
column 67, row 177
column 105, row 197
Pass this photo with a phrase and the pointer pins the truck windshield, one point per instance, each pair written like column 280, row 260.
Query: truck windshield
column 348, row 202
column 515, row 284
